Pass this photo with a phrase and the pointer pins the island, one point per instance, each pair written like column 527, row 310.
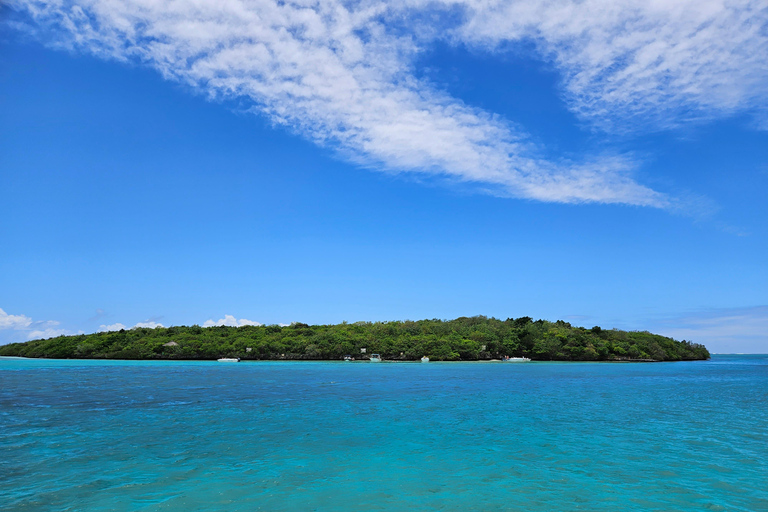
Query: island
column 474, row 338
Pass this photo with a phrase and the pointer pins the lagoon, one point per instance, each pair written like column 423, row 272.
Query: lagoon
column 161, row 435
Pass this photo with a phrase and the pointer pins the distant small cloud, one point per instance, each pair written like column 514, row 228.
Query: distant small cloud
column 148, row 325
column 113, row 327
column 230, row 321
column 100, row 313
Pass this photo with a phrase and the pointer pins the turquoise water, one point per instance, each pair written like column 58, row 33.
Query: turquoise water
column 88, row 435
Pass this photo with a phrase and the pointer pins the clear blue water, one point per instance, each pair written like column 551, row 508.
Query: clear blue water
column 88, row 435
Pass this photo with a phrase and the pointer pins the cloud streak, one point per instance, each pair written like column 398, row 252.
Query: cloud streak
column 723, row 330
column 338, row 73
column 637, row 63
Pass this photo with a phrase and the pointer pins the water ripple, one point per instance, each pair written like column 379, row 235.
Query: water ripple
column 332, row 436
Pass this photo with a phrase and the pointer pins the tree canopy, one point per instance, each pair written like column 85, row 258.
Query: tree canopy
column 465, row 339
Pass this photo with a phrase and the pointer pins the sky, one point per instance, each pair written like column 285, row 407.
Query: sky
column 234, row 163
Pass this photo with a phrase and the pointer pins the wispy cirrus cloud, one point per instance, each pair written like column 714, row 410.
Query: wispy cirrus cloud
column 338, row 73
column 639, row 64
column 723, row 329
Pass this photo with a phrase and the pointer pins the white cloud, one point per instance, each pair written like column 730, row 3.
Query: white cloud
column 18, row 328
column 112, row 327
column 14, row 321
column 148, row 325
column 50, row 333
column 230, row 321
column 722, row 330
column 655, row 64
column 341, row 74
column 337, row 73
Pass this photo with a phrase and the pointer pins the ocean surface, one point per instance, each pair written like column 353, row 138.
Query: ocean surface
column 119, row 435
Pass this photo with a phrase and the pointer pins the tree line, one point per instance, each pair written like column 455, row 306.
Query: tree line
column 462, row 339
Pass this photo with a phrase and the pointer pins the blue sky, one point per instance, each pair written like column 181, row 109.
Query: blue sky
column 321, row 163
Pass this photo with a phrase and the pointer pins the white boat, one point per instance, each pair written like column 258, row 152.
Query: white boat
column 375, row 358
column 348, row 358
column 229, row 360
column 516, row 359
column 425, row 359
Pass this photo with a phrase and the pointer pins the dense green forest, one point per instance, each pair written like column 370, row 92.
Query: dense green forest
column 465, row 338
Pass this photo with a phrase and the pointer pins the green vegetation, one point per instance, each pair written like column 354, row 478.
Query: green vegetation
column 464, row 338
